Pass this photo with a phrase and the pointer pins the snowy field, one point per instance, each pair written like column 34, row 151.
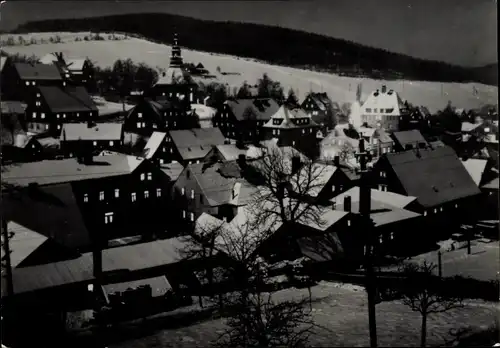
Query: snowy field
column 342, row 89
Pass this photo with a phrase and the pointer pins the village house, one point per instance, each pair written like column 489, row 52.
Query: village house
column 383, row 109
column 293, row 127
column 77, row 71
column 86, row 200
column 216, row 189
column 21, row 80
column 390, row 214
column 156, row 149
column 149, row 116
column 377, row 141
column 176, row 82
column 90, row 136
column 417, row 118
column 483, row 131
column 408, row 140
column 321, row 109
column 191, row 145
column 443, row 187
column 52, row 106
column 242, row 119
column 228, row 152
column 17, row 145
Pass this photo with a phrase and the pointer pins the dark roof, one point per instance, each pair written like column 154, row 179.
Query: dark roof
column 97, row 131
column 12, row 107
column 51, row 211
column 37, row 71
column 67, row 99
column 262, row 108
column 410, row 137
column 196, row 143
column 433, row 176
column 323, row 101
column 131, row 258
column 51, row 172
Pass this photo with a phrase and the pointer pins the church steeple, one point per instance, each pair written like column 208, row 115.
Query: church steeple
column 176, row 57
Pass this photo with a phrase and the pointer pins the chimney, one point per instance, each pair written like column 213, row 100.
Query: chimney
column 242, row 160
column 384, row 88
column 163, row 74
column 295, row 164
column 97, row 263
column 347, row 203
column 336, row 161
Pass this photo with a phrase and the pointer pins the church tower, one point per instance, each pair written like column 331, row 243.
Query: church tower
column 176, row 56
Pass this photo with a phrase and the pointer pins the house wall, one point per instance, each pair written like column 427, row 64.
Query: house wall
column 70, row 148
column 387, row 122
column 188, row 91
column 144, row 120
column 247, row 131
column 303, row 139
column 321, row 117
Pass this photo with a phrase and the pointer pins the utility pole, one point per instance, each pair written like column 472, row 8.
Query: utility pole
column 365, row 208
column 8, row 264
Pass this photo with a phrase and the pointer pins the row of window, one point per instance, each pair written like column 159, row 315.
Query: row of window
column 133, row 195
column 191, row 215
column 382, row 111
column 437, row 210
column 58, row 116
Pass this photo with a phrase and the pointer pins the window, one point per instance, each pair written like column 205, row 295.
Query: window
column 95, row 143
column 487, row 130
column 391, row 236
column 158, row 192
column 456, row 205
column 310, row 130
column 111, row 143
column 182, row 191
column 64, row 115
column 101, row 195
column 38, row 103
column 117, row 193
column 58, row 126
column 42, row 115
column 303, row 131
column 375, row 110
column 380, row 240
column 146, row 194
column 192, row 216
column 161, row 161
column 139, row 115
column 85, row 197
column 150, row 176
column 382, row 187
column 368, row 110
column 441, row 209
column 27, row 83
column 425, row 213
column 38, row 95
column 315, row 112
column 57, row 116
column 108, row 218
column 143, row 124
column 133, row 195
column 192, row 194
column 382, row 174
column 46, row 126
column 435, row 210
column 34, row 115
column 142, row 176
column 139, row 124
column 293, row 142
column 77, row 114
column 348, row 222
column 375, row 141
column 333, row 188
column 183, row 214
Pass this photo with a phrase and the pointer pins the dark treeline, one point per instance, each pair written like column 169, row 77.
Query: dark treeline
column 272, row 44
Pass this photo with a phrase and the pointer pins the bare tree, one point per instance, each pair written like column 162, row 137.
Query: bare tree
column 421, row 293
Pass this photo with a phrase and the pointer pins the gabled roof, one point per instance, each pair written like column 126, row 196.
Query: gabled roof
column 383, row 213
column 12, row 107
column 196, row 143
column 97, row 131
column 67, row 99
column 475, row 167
column 388, row 100
column 231, row 152
column 289, row 116
column 258, row 108
column 218, row 181
column 23, row 243
column 51, row 211
column 394, row 199
column 37, row 71
column 49, row 172
column 153, row 144
column 491, row 185
column 316, row 179
column 76, row 64
column 410, row 137
column 434, row 176
column 172, row 170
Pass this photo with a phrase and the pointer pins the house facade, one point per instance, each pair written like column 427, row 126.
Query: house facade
column 377, row 141
column 149, row 116
column 408, row 140
column 293, row 127
column 51, row 106
column 191, row 146
column 321, row 109
column 436, row 177
column 88, row 200
column 90, row 136
column 383, row 109
column 242, row 119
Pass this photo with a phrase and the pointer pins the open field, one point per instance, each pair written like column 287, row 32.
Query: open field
column 342, row 89
column 341, row 312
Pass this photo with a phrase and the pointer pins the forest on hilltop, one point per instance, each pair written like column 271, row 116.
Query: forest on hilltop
column 274, row 45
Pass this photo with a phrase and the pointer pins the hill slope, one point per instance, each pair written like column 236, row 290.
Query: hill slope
column 271, row 44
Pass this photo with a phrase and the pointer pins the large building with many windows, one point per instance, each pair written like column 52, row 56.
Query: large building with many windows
column 383, row 109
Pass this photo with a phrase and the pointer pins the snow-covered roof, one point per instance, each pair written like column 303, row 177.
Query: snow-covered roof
column 383, row 102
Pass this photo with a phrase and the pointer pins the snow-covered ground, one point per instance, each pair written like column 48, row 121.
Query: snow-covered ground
column 341, row 89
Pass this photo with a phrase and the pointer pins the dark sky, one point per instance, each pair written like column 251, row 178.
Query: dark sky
column 457, row 31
